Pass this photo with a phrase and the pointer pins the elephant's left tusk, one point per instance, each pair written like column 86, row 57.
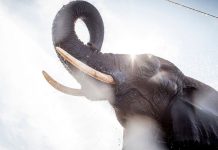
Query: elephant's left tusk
column 85, row 68
column 60, row 87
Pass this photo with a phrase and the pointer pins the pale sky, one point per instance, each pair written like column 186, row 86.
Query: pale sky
column 35, row 116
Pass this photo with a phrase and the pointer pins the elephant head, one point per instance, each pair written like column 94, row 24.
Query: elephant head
column 150, row 86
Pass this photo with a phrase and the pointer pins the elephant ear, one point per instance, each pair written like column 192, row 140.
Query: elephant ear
column 194, row 115
column 201, row 95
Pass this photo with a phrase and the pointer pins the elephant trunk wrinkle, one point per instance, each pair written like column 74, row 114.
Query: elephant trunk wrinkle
column 64, row 34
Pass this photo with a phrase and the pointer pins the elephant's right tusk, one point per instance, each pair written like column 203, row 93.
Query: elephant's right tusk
column 60, row 87
column 85, row 68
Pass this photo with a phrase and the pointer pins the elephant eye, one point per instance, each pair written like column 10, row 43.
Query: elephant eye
column 82, row 31
column 189, row 92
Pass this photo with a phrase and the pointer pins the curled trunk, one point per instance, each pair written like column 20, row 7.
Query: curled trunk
column 64, row 34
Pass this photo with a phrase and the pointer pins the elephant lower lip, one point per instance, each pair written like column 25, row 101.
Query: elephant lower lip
column 60, row 87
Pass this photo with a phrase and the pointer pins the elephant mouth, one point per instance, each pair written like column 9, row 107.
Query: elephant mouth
column 82, row 67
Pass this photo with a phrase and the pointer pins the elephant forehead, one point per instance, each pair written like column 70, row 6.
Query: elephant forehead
column 126, row 69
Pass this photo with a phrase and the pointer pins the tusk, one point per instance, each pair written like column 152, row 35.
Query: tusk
column 60, row 87
column 85, row 68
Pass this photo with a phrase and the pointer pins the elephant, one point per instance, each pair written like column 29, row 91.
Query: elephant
column 150, row 88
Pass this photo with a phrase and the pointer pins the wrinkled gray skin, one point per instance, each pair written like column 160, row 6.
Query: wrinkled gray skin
column 184, row 108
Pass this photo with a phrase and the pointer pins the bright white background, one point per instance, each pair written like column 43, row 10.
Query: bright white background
column 35, row 116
